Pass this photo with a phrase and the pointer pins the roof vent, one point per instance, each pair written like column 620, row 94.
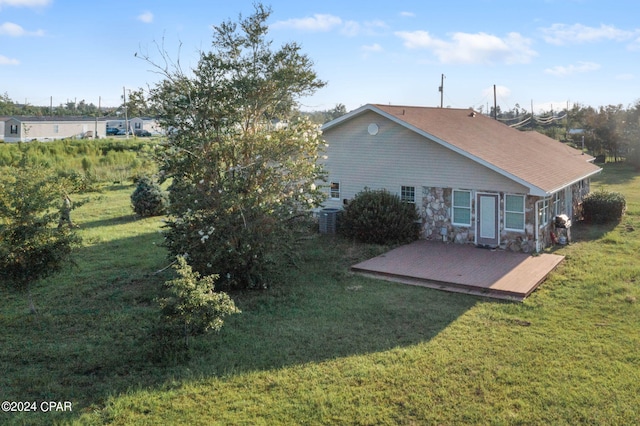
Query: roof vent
column 472, row 114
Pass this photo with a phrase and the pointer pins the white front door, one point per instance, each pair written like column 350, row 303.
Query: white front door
column 487, row 220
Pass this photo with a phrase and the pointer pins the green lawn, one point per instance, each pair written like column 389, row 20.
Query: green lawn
column 324, row 346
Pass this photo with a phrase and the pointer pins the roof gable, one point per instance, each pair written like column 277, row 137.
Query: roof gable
column 538, row 162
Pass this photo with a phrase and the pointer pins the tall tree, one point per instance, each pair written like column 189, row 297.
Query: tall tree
column 604, row 126
column 137, row 105
column 631, row 134
column 243, row 167
column 7, row 106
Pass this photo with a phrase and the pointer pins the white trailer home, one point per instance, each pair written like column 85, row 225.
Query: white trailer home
column 25, row 129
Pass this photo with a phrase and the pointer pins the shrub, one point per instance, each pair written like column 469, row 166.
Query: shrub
column 149, row 199
column 31, row 247
column 192, row 307
column 603, row 207
column 380, row 217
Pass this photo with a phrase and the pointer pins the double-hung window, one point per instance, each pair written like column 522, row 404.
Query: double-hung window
column 514, row 212
column 557, row 206
column 543, row 212
column 461, row 208
column 334, row 191
column 408, row 194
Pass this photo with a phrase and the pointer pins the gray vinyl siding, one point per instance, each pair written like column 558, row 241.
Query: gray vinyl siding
column 396, row 156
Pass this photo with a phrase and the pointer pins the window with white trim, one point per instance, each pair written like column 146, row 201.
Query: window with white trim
column 557, row 206
column 13, row 129
column 543, row 212
column 408, row 194
column 461, row 208
column 514, row 212
column 334, row 191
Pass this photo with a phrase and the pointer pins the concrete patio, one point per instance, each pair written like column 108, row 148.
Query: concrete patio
column 462, row 268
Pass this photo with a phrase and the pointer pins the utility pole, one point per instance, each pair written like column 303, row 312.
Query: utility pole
column 126, row 118
column 566, row 123
column 533, row 120
column 441, row 90
column 495, row 104
column 95, row 135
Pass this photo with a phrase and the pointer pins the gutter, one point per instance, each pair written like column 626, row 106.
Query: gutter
column 537, row 225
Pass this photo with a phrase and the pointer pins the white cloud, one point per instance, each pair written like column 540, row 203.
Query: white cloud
column 372, row 48
column 635, row 44
column 563, row 34
column 146, row 17
column 325, row 23
column 15, row 30
column 580, row 67
column 351, row 28
column 501, row 92
column 25, row 3
column 545, row 107
column 465, row 48
column 315, row 23
column 8, row 61
column 407, row 14
column 625, row 77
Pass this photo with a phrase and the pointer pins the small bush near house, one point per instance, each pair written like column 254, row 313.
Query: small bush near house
column 149, row 199
column 603, row 207
column 379, row 217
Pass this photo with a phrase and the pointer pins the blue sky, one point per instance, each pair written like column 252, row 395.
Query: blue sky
column 546, row 52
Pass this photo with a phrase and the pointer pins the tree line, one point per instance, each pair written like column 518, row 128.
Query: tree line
column 611, row 131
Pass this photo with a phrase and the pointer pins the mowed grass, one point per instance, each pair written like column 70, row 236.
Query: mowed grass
column 324, row 346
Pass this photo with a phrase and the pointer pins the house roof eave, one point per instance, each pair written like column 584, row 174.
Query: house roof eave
column 337, row 121
column 534, row 190
column 553, row 191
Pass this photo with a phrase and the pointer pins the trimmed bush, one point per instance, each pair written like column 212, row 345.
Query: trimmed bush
column 603, row 207
column 379, row 217
column 149, row 199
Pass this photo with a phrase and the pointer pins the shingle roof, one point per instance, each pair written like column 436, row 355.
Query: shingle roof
column 23, row 118
column 530, row 158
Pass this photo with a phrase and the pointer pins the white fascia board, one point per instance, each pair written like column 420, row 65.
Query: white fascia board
column 348, row 116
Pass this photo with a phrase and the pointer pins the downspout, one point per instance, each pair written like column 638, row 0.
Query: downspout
column 537, row 225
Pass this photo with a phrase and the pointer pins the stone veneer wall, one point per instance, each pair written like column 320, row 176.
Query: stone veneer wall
column 436, row 214
column 524, row 241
